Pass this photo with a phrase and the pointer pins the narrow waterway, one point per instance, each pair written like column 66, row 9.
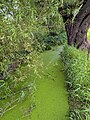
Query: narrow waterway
column 50, row 100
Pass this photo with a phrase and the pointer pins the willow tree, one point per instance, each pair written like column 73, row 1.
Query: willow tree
column 76, row 17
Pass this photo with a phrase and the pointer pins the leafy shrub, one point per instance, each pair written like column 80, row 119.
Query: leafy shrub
column 17, row 45
column 51, row 41
column 62, row 38
column 4, row 89
column 77, row 79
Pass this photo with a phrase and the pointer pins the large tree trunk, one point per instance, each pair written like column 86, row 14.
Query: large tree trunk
column 77, row 29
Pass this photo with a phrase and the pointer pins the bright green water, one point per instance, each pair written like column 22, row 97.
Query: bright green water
column 50, row 100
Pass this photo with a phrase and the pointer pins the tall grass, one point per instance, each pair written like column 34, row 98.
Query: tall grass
column 77, row 81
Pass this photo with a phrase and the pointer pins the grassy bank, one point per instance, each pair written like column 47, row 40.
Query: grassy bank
column 77, row 79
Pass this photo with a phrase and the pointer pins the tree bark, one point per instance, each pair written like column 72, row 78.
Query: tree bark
column 77, row 30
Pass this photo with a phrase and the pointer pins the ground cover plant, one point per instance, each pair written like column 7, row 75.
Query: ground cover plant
column 77, row 81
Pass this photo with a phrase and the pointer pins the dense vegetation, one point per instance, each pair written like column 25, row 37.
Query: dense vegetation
column 28, row 28
column 77, row 81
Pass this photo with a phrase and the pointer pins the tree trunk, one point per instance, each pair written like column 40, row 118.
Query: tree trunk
column 77, row 30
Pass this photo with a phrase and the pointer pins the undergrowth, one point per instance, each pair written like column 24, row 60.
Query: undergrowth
column 17, row 91
column 77, row 81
